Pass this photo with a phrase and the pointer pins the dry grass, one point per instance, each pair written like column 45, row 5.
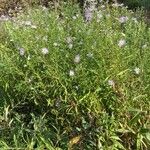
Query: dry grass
column 12, row 7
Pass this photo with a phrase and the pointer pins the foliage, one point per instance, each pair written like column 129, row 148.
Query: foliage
column 70, row 84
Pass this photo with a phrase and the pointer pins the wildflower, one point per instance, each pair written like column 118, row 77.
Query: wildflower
column 102, row 6
column 121, row 43
column 45, row 38
column 55, row 44
column 144, row 46
column 77, row 87
column 45, row 51
column 70, row 46
column 134, row 19
column 21, row 51
column 111, row 83
column 90, row 55
column 117, row 5
column 88, row 14
column 71, row 73
column 69, row 40
column 99, row 16
column 29, row 80
column 137, row 70
column 77, row 59
column 29, row 57
column 44, row 8
column 27, row 23
column 77, row 15
column 123, row 19
column 58, row 102
column 108, row 15
column 4, row 18
column 33, row 26
column 74, row 17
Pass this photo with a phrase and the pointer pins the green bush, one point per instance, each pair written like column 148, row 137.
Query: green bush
column 70, row 83
column 137, row 3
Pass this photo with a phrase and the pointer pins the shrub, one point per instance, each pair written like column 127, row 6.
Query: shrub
column 77, row 84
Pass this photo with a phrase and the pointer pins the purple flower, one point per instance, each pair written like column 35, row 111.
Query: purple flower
column 123, row 19
column 88, row 14
column 21, row 51
column 111, row 83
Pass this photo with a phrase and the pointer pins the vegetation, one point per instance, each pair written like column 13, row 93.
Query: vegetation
column 67, row 82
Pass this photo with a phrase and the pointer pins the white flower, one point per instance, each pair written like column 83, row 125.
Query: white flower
column 117, row 5
column 122, row 43
column 4, row 18
column 77, row 87
column 77, row 59
column 27, row 23
column 70, row 46
column 21, row 51
column 74, row 17
column 90, row 55
column 108, row 15
column 123, row 19
column 33, row 26
column 45, row 38
column 100, row 1
column 137, row 70
column 99, row 16
column 71, row 73
column 55, row 44
column 69, row 40
column 44, row 8
column 29, row 57
column 134, row 19
column 45, row 51
column 102, row 6
column 111, row 83
column 144, row 46
column 29, row 80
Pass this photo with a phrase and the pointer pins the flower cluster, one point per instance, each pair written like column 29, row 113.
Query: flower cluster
column 45, row 51
column 123, row 19
column 21, row 51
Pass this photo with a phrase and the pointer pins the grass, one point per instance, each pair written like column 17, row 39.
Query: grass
column 70, row 84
